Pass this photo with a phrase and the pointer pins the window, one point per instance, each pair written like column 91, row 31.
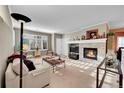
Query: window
column 45, row 42
column 120, row 41
column 36, row 41
column 32, row 44
column 119, row 37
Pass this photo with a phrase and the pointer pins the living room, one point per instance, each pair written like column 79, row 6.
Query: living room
column 66, row 48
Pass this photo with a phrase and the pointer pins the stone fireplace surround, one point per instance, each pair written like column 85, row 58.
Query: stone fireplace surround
column 101, row 51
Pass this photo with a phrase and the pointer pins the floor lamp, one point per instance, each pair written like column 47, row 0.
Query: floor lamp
column 22, row 19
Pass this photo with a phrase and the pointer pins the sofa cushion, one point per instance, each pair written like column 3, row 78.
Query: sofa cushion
column 29, row 65
column 40, row 69
column 16, row 67
column 36, row 61
column 9, row 73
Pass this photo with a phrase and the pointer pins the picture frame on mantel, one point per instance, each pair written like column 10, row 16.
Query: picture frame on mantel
column 92, row 34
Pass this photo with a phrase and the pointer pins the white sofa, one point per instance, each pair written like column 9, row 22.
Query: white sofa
column 37, row 78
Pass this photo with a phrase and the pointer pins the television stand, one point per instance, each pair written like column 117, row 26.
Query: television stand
column 73, row 55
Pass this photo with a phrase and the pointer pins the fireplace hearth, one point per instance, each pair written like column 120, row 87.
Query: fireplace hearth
column 90, row 53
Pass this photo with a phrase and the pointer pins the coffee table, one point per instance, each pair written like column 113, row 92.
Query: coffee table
column 54, row 62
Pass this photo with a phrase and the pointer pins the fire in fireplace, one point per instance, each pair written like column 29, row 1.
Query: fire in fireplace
column 90, row 53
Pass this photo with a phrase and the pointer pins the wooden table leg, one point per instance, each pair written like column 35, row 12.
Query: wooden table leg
column 97, row 79
column 120, row 81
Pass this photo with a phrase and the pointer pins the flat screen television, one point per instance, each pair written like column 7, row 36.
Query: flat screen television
column 74, row 49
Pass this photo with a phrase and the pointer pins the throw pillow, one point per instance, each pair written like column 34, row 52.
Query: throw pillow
column 16, row 67
column 29, row 65
column 14, row 56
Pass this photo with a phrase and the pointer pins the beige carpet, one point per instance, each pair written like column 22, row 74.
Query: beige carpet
column 78, row 74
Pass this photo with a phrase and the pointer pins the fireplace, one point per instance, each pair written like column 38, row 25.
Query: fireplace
column 90, row 53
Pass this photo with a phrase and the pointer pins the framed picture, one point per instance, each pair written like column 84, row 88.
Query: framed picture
column 92, row 34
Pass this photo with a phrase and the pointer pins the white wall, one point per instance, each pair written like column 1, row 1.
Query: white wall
column 53, row 42
column 5, row 15
column 101, row 28
column 65, row 45
column 6, row 40
column 59, row 46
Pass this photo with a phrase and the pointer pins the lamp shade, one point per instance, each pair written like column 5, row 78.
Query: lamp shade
column 25, row 47
column 19, row 17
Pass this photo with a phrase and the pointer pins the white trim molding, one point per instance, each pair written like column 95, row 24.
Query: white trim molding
column 103, row 40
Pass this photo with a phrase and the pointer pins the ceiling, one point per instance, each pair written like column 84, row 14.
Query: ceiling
column 67, row 18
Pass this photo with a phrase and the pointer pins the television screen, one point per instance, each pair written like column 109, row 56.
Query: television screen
column 74, row 49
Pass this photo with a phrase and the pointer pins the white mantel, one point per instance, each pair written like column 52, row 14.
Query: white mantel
column 103, row 40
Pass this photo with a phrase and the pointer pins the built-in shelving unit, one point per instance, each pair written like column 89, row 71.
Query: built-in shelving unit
column 74, row 51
